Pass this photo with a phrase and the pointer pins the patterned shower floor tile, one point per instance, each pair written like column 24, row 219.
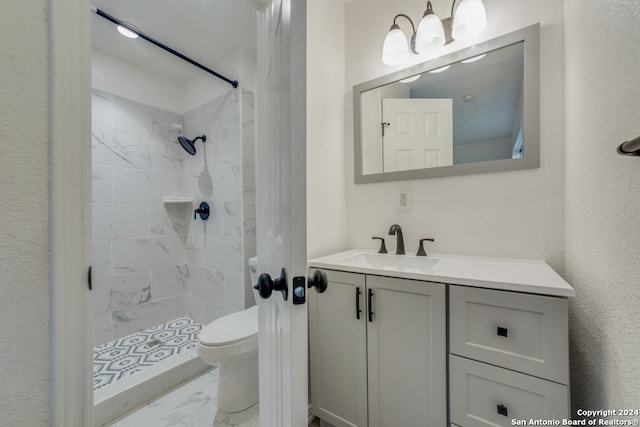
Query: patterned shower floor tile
column 118, row 359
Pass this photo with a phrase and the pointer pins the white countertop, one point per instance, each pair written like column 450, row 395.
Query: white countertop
column 508, row 274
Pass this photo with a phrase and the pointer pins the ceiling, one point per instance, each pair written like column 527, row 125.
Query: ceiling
column 493, row 85
column 205, row 30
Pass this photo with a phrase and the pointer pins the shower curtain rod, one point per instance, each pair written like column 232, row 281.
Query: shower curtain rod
column 130, row 27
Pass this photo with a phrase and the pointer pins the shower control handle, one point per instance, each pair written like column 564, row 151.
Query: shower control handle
column 203, row 211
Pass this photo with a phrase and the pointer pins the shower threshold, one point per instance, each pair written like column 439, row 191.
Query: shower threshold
column 130, row 371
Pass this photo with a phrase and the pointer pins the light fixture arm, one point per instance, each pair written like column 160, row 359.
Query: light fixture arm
column 453, row 5
column 413, row 30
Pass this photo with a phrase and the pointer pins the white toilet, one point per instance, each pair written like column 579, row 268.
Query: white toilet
column 231, row 343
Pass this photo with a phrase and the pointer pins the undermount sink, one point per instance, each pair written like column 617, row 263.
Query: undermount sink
column 390, row 261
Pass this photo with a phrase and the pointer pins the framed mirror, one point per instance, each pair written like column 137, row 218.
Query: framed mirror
column 472, row 111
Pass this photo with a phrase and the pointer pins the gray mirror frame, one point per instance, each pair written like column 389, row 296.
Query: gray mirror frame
column 531, row 110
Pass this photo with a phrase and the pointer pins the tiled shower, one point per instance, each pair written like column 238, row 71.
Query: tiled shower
column 152, row 262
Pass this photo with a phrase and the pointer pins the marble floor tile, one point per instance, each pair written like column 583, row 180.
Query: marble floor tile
column 192, row 405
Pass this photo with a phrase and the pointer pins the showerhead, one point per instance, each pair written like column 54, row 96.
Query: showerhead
column 190, row 145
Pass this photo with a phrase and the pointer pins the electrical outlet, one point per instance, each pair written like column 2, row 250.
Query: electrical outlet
column 404, row 200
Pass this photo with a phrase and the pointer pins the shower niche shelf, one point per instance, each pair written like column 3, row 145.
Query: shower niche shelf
column 177, row 201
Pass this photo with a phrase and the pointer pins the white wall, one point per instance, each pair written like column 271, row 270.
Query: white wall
column 115, row 76
column 325, row 127
column 24, row 203
column 603, row 201
column 237, row 65
column 516, row 214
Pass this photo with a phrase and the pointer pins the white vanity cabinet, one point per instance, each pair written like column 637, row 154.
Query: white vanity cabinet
column 509, row 357
column 442, row 340
column 378, row 351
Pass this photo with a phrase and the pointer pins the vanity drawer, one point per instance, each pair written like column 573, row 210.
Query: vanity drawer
column 524, row 332
column 484, row 395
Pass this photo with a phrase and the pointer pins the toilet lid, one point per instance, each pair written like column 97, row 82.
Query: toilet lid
column 231, row 328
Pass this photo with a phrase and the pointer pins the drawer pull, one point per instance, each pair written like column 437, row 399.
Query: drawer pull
column 503, row 332
column 502, row 410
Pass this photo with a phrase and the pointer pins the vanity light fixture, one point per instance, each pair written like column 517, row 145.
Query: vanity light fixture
column 469, row 20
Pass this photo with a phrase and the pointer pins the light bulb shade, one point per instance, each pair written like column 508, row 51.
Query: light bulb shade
column 430, row 35
column 470, row 20
column 395, row 48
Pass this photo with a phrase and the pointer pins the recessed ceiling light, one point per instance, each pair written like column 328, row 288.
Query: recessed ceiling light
column 126, row 32
column 474, row 59
column 439, row 70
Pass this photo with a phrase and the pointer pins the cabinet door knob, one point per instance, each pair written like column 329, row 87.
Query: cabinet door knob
column 503, row 332
column 358, row 311
column 370, row 307
column 502, row 410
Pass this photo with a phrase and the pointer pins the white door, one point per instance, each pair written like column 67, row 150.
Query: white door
column 418, row 133
column 281, row 209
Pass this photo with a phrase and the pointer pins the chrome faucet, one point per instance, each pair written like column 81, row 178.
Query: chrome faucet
column 395, row 229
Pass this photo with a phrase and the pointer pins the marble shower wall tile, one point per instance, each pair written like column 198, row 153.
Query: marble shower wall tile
column 214, row 250
column 101, row 184
column 142, row 316
column 134, row 186
column 121, row 291
column 194, row 307
column 208, row 284
column 112, row 221
column 193, row 267
column 168, row 220
column 146, row 253
column 138, row 244
column 248, row 188
column 169, row 281
column 223, row 253
column 101, row 257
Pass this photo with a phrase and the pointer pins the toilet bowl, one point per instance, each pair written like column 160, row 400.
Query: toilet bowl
column 231, row 344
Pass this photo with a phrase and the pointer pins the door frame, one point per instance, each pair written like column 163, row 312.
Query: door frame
column 71, row 329
column 71, row 395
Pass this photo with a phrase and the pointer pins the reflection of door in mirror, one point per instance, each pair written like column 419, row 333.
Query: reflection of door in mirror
column 417, row 133
column 491, row 123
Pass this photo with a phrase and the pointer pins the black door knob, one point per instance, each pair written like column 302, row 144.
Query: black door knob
column 266, row 285
column 318, row 280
